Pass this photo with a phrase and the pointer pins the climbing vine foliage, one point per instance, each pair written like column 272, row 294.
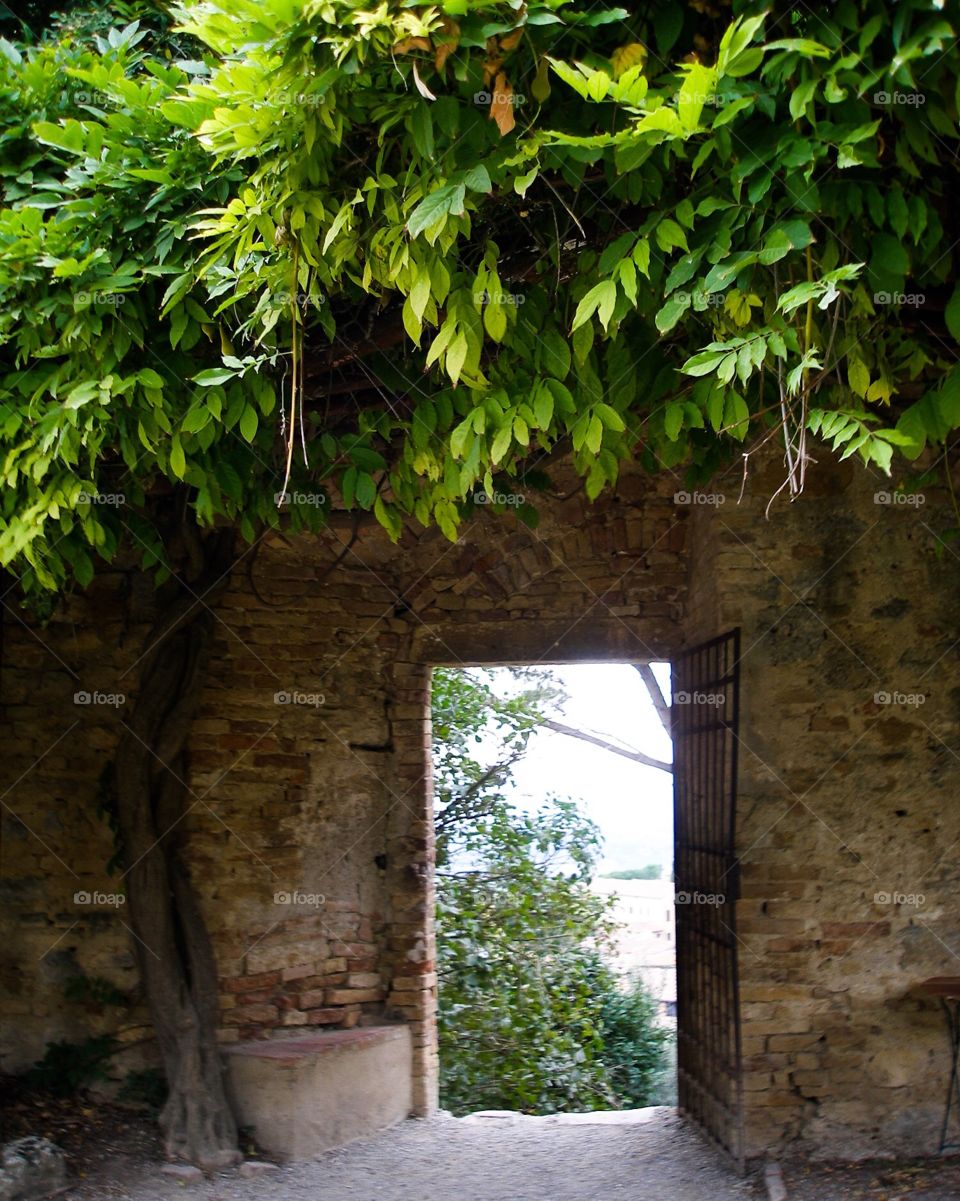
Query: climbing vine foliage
column 294, row 255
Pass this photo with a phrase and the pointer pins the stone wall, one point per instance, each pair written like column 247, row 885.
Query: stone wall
column 309, row 830
column 848, row 816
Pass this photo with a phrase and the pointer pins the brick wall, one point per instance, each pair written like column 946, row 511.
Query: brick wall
column 309, row 830
column 841, row 800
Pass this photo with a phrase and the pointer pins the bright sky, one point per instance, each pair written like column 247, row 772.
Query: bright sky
column 632, row 804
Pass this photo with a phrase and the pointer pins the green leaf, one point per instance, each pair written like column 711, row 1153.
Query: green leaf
column 641, row 256
column 582, row 342
column 477, row 179
column 543, row 407
column 858, row 376
column 501, row 442
column 414, row 327
column 366, row 489
column 420, row 295
column 556, row 353
column 421, row 130
column 81, row 394
column 249, row 420
column 889, row 264
column 430, row 210
column 672, row 311
column 669, row 234
column 951, row 314
column 600, row 299
column 388, row 518
column 178, row 462
column 197, row 417
column 348, row 487
column 69, row 136
column 456, row 356
column 800, row 97
column 715, row 403
column 495, row 320
column 736, row 416
column 206, row 379
column 610, row 418
column 703, row 363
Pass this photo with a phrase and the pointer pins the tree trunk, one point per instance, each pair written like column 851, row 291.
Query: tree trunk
column 177, row 964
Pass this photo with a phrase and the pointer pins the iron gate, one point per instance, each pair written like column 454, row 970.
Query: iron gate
column 704, row 717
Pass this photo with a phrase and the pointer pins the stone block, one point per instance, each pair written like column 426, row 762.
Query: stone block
column 254, row 1015
column 251, row 1169
column 304, row 1096
column 351, row 996
column 182, row 1173
column 31, row 1168
column 324, row 1017
column 364, row 980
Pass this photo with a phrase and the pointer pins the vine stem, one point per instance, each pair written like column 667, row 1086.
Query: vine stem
column 291, row 430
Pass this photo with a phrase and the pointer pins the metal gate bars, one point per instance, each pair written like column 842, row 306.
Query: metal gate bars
column 704, row 717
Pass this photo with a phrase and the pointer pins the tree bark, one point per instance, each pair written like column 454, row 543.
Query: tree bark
column 177, row 963
column 652, row 685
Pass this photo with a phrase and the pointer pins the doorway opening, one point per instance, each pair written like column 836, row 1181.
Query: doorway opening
column 556, row 932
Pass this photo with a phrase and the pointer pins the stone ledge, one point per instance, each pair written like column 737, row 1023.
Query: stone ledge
column 308, row 1093
column 307, row 1046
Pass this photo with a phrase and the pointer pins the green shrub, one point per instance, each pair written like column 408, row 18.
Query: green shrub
column 66, row 1067
column 634, row 1046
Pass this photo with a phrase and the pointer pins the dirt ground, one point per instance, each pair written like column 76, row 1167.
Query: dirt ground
column 916, row 1180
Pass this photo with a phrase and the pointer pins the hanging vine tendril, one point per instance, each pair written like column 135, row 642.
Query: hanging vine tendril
column 296, row 378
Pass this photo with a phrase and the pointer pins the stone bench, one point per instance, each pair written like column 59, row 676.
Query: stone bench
column 306, row 1095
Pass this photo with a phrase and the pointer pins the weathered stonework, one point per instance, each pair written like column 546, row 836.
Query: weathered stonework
column 310, row 834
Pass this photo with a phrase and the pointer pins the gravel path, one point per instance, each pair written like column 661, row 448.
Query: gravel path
column 653, row 1156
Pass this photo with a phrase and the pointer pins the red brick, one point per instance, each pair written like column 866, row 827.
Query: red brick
column 324, row 1017
column 249, row 983
column 348, row 996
